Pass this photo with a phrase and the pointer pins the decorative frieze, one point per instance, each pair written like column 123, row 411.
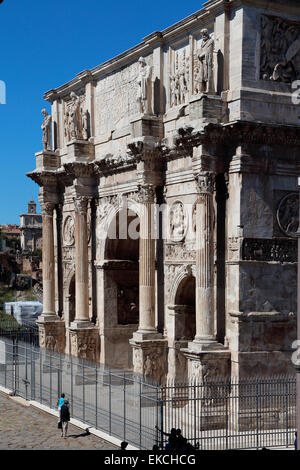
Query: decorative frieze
column 279, row 49
column 179, row 79
column 261, row 249
column 179, row 253
column 146, row 193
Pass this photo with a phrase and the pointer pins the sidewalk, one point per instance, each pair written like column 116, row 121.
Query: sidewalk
column 23, row 426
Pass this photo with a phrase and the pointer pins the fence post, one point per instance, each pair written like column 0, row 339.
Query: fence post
column 124, row 405
column 226, row 412
column 59, row 377
column 41, row 376
column 140, row 409
column 109, row 402
column 161, row 417
column 96, row 396
column 287, row 411
column 71, row 391
column 83, row 393
column 32, row 378
column 26, row 371
column 257, row 418
column 50, row 362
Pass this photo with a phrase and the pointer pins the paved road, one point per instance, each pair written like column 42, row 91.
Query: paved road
column 25, row 427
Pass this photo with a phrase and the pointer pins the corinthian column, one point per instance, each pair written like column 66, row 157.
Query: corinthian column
column 48, row 263
column 205, row 259
column 147, row 261
column 81, row 260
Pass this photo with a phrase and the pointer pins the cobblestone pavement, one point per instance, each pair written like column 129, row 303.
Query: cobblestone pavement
column 25, row 427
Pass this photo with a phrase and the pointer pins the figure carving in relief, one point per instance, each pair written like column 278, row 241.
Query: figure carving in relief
column 82, row 348
column 288, row 214
column 280, row 49
column 179, row 81
column 69, row 231
column 91, row 349
column 51, row 342
column 205, row 57
column 42, row 338
column 144, row 87
column 177, row 222
column 46, row 128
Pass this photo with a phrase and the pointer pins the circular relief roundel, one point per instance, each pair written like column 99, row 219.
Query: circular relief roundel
column 288, row 214
column 69, row 231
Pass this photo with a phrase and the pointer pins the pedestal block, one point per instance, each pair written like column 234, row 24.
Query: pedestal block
column 85, row 343
column 52, row 334
column 150, row 359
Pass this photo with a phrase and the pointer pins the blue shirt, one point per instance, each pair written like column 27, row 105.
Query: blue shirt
column 61, row 402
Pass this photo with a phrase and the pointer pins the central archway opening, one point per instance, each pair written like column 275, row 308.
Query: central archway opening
column 123, row 267
column 122, row 287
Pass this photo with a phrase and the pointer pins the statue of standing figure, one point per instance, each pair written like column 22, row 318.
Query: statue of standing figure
column 144, row 87
column 74, row 121
column 46, row 128
column 205, row 57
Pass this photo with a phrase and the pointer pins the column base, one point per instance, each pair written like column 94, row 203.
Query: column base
column 150, row 359
column 52, row 334
column 141, row 335
column 85, row 342
column 205, row 344
column 47, row 318
column 81, row 324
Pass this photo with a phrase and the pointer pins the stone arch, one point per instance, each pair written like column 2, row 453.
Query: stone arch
column 180, row 273
column 108, row 217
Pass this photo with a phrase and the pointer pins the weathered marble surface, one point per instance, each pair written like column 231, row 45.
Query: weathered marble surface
column 211, row 95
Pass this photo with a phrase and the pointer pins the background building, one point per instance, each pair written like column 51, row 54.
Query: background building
column 31, row 229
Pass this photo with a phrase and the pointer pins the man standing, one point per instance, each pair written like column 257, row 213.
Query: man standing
column 65, row 417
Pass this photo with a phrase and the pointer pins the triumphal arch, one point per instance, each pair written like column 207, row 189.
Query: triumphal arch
column 168, row 187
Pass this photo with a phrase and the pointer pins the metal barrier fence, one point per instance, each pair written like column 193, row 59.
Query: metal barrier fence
column 219, row 414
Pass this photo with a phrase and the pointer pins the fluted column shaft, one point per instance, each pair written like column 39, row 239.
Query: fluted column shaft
column 205, row 259
column 81, row 260
column 48, row 260
column 147, row 261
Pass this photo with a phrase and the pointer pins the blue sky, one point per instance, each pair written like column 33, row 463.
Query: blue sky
column 45, row 44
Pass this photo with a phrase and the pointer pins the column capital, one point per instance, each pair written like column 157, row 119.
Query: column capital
column 81, row 204
column 47, row 208
column 205, row 182
column 146, row 193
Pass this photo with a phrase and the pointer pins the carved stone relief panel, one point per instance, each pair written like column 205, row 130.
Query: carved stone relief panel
column 280, row 49
column 288, row 214
column 116, row 98
column 178, row 221
column 69, row 231
column 282, row 250
column 180, row 69
column 285, row 213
